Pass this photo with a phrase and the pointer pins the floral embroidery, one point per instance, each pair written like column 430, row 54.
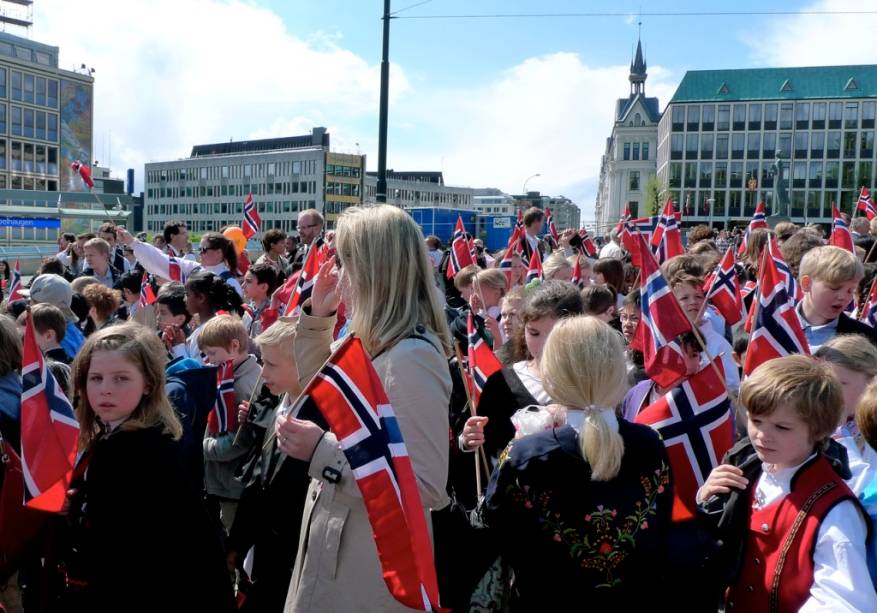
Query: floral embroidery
column 604, row 539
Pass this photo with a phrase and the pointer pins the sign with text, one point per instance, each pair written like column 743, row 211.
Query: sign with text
column 29, row 222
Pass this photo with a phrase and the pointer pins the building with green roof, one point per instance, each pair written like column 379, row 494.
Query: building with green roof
column 718, row 138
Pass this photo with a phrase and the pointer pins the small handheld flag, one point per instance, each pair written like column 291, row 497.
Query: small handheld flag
column 252, row 220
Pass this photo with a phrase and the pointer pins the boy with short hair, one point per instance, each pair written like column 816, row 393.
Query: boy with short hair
column 50, row 326
column 796, row 533
column 224, row 339
column 97, row 253
column 170, row 308
column 260, row 281
column 829, row 277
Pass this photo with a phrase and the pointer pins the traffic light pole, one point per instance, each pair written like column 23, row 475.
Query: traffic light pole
column 381, row 188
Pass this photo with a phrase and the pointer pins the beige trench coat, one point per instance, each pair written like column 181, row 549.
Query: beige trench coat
column 337, row 566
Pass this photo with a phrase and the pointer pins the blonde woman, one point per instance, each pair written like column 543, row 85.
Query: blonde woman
column 581, row 512
column 557, row 267
column 397, row 316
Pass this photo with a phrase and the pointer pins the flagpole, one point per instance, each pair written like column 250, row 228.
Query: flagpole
column 870, row 251
column 861, row 310
column 472, row 412
column 256, row 389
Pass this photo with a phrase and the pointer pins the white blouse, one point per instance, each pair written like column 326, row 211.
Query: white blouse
column 532, row 383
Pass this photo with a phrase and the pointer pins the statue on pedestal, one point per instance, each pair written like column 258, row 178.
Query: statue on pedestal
column 781, row 203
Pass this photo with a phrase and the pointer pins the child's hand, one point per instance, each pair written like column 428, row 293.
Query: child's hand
column 173, row 335
column 243, row 411
column 493, row 326
column 473, row 432
column 326, row 295
column 721, row 480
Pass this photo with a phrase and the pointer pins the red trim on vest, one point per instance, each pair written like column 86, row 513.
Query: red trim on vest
column 777, row 570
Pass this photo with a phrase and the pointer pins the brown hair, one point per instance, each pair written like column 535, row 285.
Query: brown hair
column 851, row 351
column 48, row 317
column 466, row 276
column 270, row 237
column 797, row 245
column 215, row 240
column 785, row 230
column 613, row 272
column 754, row 244
column 143, row 349
column 689, row 264
column 532, row 214
column 10, row 345
column 557, row 299
column 800, row 382
column 104, row 300
column 866, row 414
column 596, row 299
column 701, row 232
column 221, row 330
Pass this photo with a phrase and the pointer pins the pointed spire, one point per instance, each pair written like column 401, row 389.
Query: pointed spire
column 638, row 72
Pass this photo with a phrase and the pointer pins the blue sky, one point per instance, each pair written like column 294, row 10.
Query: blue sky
column 487, row 101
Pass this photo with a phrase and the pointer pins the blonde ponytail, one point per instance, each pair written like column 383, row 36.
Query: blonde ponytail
column 601, row 446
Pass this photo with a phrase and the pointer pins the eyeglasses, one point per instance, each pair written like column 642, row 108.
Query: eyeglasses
column 206, row 249
column 313, row 225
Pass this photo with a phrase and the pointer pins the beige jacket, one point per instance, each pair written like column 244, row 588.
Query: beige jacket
column 337, row 566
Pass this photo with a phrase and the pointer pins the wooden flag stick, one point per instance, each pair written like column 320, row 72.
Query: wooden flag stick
column 256, row 389
column 472, row 411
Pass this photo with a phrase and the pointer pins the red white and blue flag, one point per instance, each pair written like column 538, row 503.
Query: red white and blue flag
column 667, row 239
column 796, row 294
column 758, row 221
column 223, row 417
column 534, row 268
column 505, row 264
column 348, row 393
column 175, row 271
column 865, row 203
column 869, row 313
column 577, row 274
column 661, row 323
column 723, row 291
column 15, row 285
column 460, row 253
column 840, row 232
column 252, row 221
column 697, row 425
column 588, row 247
column 776, row 328
column 482, row 362
column 552, row 228
column 49, row 431
column 304, row 284
column 147, row 296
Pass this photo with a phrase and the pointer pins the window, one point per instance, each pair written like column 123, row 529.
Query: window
column 2, row 82
column 28, row 157
column 851, row 115
column 721, row 175
column 722, row 147
column 724, row 116
column 626, row 151
column 737, row 146
column 799, row 175
column 834, row 114
column 2, row 119
column 736, row 175
column 868, row 111
column 753, row 145
column 706, row 146
column 645, row 155
column 635, row 151
column 40, row 159
column 709, row 117
column 786, row 116
column 802, row 115
column 676, row 141
column 766, row 178
column 849, row 144
column 40, row 131
column 27, row 88
column 675, row 179
column 678, row 123
column 864, row 173
column 739, row 117
column 754, row 116
column 634, row 181
column 691, row 146
column 637, row 121
column 785, row 144
column 867, row 146
column 16, row 85
column 690, row 175
column 52, row 130
column 40, row 98
column 692, row 120
column 15, row 120
column 770, row 116
column 833, row 151
column 52, row 95
column 706, row 175
column 832, row 173
column 814, row 178
column 818, row 115
column 801, row 139
column 769, row 146
column 849, row 174
column 817, row 145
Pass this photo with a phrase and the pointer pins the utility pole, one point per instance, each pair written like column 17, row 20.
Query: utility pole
column 381, row 188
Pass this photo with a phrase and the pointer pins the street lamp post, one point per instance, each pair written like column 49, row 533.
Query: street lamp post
column 527, row 180
column 381, row 187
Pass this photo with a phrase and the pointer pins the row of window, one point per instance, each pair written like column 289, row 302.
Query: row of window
column 420, row 196
column 741, row 204
column 201, row 226
column 30, row 158
column 227, row 208
column 752, row 116
column 30, row 88
column 720, row 175
column 342, row 171
column 16, row 235
column 755, row 145
column 234, row 171
column 30, row 184
column 632, row 151
column 217, row 191
column 342, row 189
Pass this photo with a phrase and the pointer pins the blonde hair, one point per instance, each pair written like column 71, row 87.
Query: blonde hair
column 390, row 301
column 866, row 414
column 583, row 366
column 554, row 264
column 280, row 334
column 831, row 265
column 99, row 245
column 145, row 351
column 851, row 351
column 465, row 276
column 221, row 330
column 805, row 385
column 492, row 278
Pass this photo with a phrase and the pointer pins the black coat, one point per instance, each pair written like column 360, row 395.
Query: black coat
column 598, row 545
column 848, row 325
column 147, row 543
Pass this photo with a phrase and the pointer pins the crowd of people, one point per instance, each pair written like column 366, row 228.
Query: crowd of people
column 542, row 486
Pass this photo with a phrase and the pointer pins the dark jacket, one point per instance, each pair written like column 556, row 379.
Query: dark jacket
column 848, row 325
column 570, row 539
column 145, row 539
column 503, row 394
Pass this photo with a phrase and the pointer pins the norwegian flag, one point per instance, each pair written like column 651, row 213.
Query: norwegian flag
column 667, row 239
column 84, row 172
column 460, row 254
column 577, row 275
column 519, row 223
column 223, row 417
column 175, row 271
column 534, row 269
column 646, row 226
column 505, row 264
column 840, row 232
column 49, row 431
column 252, row 221
column 866, row 204
column 697, row 425
column 15, row 286
column 748, row 288
column 776, row 329
column 552, row 229
column 796, row 294
column 147, row 296
column 723, row 291
column 482, row 361
column 588, row 247
column 758, row 221
column 869, row 313
column 626, row 230
column 661, row 323
column 304, row 284
column 350, row 396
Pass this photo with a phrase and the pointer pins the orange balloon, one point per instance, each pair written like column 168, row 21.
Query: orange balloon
column 236, row 235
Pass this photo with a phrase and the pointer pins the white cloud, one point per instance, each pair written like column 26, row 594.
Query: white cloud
column 171, row 74
column 817, row 40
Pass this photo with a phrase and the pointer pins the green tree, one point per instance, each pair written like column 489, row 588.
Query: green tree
column 654, row 190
